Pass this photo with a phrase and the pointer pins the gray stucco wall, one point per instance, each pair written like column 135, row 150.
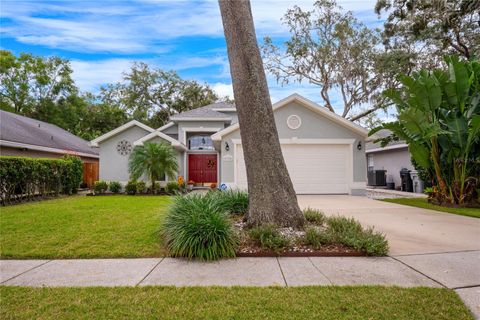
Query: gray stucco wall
column 113, row 166
column 392, row 161
column 314, row 126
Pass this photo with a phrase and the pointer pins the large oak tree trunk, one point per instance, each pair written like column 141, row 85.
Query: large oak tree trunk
column 271, row 194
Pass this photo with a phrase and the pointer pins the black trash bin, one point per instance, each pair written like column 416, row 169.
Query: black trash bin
column 407, row 183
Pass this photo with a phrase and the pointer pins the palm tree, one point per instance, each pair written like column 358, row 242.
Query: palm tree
column 154, row 160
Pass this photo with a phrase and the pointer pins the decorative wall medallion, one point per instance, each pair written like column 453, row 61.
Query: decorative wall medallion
column 124, row 147
column 294, row 122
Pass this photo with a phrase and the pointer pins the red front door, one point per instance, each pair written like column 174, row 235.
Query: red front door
column 202, row 168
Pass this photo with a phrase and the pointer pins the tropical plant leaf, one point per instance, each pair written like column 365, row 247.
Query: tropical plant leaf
column 421, row 154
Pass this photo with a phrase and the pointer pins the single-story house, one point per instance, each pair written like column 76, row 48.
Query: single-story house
column 324, row 153
column 21, row 136
column 393, row 157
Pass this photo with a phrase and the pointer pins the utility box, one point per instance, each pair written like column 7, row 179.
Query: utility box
column 377, row 178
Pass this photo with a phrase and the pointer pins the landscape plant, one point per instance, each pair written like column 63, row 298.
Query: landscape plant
column 100, row 187
column 232, row 201
column 172, row 187
column 141, row 187
column 22, row 179
column 196, row 228
column 115, row 187
column 269, row 237
column 438, row 116
column 314, row 216
column 154, row 160
column 131, row 187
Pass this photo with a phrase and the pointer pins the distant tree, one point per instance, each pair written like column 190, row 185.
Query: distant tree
column 153, row 95
column 31, row 85
column 153, row 160
column 330, row 48
column 431, row 28
column 272, row 198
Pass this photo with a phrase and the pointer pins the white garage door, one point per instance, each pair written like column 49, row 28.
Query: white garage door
column 313, row 168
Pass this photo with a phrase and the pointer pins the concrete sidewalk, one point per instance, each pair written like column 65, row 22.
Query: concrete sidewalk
column 455, row 270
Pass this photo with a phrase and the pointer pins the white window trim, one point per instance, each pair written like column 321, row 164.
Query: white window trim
column 183, row 132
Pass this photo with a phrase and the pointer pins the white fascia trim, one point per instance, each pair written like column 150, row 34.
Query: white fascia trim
column 395, row 146
column 173, row 142
column 94, row 142
column 310, row 105
column 168, row 125
column 45, row 149
column 225, row 109
column 308, row 141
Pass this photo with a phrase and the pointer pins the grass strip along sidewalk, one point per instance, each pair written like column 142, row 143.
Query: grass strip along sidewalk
column 368, row 302
column 423, row 203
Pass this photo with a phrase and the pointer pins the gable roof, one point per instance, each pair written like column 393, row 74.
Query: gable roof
column 157, row 133
column 311, row 106
column 94, row 142
column 23, row 132
column 209, row 112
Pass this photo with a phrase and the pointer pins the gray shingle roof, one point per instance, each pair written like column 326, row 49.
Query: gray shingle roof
column 382, row 134
column 205, row 112
column 17, row 128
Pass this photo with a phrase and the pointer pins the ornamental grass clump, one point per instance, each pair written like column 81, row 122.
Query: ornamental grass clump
column 314, row 216
column 195, row 227
column 349, row 232
column 231, row 201
column 267, row 236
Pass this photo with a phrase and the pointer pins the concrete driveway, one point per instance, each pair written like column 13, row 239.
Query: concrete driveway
column 409, row 230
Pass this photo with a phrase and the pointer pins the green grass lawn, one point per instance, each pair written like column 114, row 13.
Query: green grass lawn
column 423, row 203
column 232, row 303
column 83, row 227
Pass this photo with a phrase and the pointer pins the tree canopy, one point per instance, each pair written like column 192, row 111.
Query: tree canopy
column 43, row 88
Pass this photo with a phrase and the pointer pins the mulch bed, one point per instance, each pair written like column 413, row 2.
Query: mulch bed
column 249, row 248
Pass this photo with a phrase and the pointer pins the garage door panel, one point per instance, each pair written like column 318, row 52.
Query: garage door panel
column 314, row 169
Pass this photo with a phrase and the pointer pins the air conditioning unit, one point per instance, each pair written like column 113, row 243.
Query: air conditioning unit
column 377, row 178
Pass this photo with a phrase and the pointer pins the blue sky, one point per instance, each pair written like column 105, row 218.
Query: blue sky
column 103, row 38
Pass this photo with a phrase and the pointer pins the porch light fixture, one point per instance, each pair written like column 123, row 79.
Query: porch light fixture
column 227, row 147
column 359, row 145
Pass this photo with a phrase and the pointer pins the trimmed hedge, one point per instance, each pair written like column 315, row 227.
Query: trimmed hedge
column 23, row 178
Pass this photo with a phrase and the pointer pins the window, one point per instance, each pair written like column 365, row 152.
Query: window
column 200, row 143
column 370, row 162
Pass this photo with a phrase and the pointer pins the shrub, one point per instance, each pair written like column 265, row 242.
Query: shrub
column 156, row 187
column 231, row 201
column 349, row 232
column 172, row 187
column 317, row 238
column 267, row 236
column 314, row 216
column 196, row 228
column 23, row 178
column 141, row 187
column 115, row 186
column 100, row 187
column 131, row 187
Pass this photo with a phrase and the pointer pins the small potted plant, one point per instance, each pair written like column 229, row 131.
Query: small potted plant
column 191, row 183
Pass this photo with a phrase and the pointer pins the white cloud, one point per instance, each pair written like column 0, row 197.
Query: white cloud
column 90, row 75
column 141, row 26
column 223, row 89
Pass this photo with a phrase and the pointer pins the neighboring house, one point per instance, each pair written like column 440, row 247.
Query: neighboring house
column 324, row 152
column 392, row 158
column 26, row 137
